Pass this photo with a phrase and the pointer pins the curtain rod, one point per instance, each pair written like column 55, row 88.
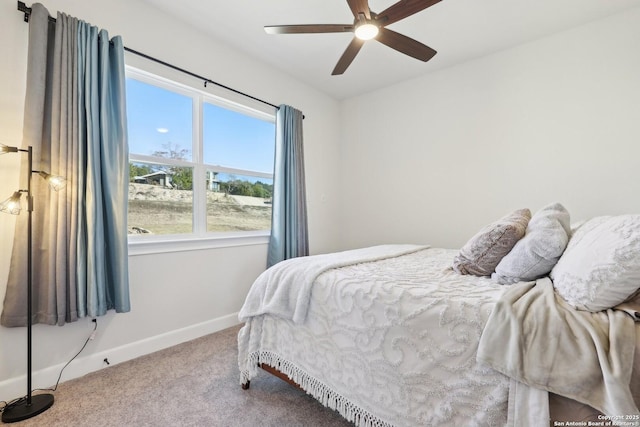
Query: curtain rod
column 206, row 80
column 22, row 7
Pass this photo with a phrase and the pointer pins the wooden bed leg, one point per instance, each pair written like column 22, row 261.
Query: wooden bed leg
column 274, row 372
column 283, row 377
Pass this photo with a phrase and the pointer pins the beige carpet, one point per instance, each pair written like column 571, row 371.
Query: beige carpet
column 192, row 384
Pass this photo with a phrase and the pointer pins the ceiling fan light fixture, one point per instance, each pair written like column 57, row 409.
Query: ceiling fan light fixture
column 366, row 31
column 368, row 25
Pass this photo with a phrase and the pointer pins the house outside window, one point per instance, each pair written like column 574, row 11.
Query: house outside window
column 201, row 167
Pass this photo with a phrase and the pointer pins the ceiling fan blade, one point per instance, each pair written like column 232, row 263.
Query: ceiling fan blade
column 403, row 9
column 348, row 56
column 304, row 29
column 360, row 6
column 405, row 44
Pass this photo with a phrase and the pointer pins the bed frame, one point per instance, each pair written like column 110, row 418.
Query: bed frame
column 273, row 371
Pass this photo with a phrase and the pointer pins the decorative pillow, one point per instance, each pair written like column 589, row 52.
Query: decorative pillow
column 601, row 266
column 538, row 251
column 480, row 255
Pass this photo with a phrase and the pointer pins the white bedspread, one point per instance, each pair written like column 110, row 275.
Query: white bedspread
column 385, row 343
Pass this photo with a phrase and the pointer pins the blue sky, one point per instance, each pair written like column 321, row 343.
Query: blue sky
column 157, row 116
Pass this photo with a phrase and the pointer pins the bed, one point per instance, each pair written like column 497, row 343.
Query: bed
column 397, row 335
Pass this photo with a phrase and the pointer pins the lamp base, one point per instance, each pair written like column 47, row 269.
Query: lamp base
column 22, row 411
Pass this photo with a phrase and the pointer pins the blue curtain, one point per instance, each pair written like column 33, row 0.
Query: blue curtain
column 289, row 230
column 104, row 188
column 75, row 119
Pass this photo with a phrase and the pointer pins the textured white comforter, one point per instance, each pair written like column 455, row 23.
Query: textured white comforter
column 391, row 342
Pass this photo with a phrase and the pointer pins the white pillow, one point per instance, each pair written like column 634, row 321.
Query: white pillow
column 601, row 266
column 537, row 252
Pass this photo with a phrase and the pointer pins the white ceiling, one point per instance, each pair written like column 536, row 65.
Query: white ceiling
column 460, row 30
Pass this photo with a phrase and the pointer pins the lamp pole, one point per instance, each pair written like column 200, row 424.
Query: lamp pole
column 32, row 405
column 29, row 272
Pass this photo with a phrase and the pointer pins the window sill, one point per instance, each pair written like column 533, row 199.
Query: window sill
column 144, row 245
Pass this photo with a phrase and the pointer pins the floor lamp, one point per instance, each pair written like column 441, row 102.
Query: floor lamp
column 30, row 406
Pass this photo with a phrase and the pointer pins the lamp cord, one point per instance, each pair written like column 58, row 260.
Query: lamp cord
column 19, row 400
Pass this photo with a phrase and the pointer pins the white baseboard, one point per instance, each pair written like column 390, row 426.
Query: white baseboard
column 45, row 378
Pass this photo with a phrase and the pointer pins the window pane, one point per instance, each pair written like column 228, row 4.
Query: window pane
column 160, row 199
column 236, row 140
column 238, row 203
column 159, row 121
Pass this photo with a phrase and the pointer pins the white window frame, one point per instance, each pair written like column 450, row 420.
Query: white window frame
column 200, row 238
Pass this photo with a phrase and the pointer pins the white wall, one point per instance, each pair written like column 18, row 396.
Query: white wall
column 433, row 159
column 174, row 296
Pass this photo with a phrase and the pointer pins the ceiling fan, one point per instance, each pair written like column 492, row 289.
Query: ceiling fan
column 368, row 25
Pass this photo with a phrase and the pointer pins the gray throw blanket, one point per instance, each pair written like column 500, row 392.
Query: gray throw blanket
column 535, row 337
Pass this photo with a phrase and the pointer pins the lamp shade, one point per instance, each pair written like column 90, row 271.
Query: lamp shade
column 12, row 204
column 55, row 181
column 7, row 149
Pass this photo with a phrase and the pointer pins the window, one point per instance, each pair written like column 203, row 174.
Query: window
column 200, row 166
